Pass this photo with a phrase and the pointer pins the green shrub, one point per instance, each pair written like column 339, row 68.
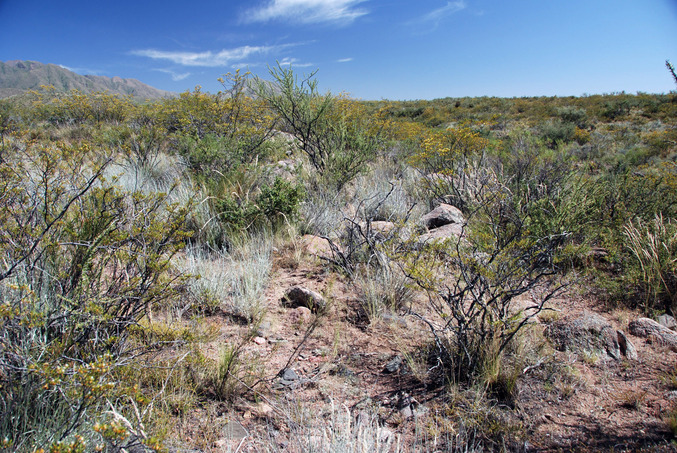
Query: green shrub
column 573, row 115
column 333, row 132
column 82, row 263
column 554, row 132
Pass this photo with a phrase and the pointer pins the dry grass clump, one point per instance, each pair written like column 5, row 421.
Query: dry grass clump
column 233, row 281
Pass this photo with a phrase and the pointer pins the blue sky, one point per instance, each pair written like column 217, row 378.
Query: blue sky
column 385, row 49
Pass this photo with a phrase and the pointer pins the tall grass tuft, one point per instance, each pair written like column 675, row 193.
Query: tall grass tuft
column 654, row 245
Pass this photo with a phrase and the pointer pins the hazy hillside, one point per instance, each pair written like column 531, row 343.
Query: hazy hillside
column 18, row 76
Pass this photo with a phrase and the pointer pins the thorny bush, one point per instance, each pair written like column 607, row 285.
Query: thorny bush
column 82, row 262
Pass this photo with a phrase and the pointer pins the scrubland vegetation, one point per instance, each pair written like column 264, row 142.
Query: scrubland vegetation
column 130, row 234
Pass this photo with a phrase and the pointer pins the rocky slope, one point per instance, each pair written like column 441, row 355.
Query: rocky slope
column 17, row 77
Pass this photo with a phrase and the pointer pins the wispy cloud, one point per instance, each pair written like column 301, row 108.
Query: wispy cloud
column 344, row 60
column 307, row 11
column 432, row 19
column 294, row 62
column 176, row 77
column 225, row 57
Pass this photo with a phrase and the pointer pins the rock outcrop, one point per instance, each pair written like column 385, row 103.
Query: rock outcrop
column 654, row 333
column 590, row 333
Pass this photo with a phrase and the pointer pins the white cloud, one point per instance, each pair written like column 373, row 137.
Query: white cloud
column 175, row 75
column 294, row 62
column 433, row 18
column 224, row 57
column 344, row 60
column 307, row 11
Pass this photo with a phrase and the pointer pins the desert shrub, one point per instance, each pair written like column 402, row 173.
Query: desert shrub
column 83, row 262
column 509, row 247
column 554, row 132
column 76, row 107
column 321, row 213
column 573, row 115
column 386, row 192
column 382, row 288
column 617, row 107
column 261, row 205
column 280, row 201
column 334, row 132
column 452, row 164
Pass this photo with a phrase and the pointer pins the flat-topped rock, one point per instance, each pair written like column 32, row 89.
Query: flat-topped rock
column 442, row 215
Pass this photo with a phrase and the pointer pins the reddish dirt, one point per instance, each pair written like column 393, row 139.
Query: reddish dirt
column 564, row 403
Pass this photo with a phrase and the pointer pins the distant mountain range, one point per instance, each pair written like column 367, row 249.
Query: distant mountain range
column 17, row 77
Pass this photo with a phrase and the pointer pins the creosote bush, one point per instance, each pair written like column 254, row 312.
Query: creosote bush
column 82, row 263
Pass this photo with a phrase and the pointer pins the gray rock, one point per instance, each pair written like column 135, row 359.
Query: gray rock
column 408, row 407
column 654, row 332
column 289, row 378
column 626, row 346
column 263, row 330
column 299, row 296
column 667, row 321
column 393, row 365
column 288, row 374
column 444, row 214
column 590, row 333
column 407, row 412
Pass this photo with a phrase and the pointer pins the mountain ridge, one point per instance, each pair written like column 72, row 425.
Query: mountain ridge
column 20, row 76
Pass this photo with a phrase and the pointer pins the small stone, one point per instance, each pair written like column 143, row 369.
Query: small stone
column 393, row 365
column 315, row 245
column 300, row 316
column 289, row 375
column 259, row 341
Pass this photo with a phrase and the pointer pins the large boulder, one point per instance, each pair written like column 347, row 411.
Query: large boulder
column 452, row 231
column 654, row 332
column 590, row 333
column 444, row 214
column 300, row 296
